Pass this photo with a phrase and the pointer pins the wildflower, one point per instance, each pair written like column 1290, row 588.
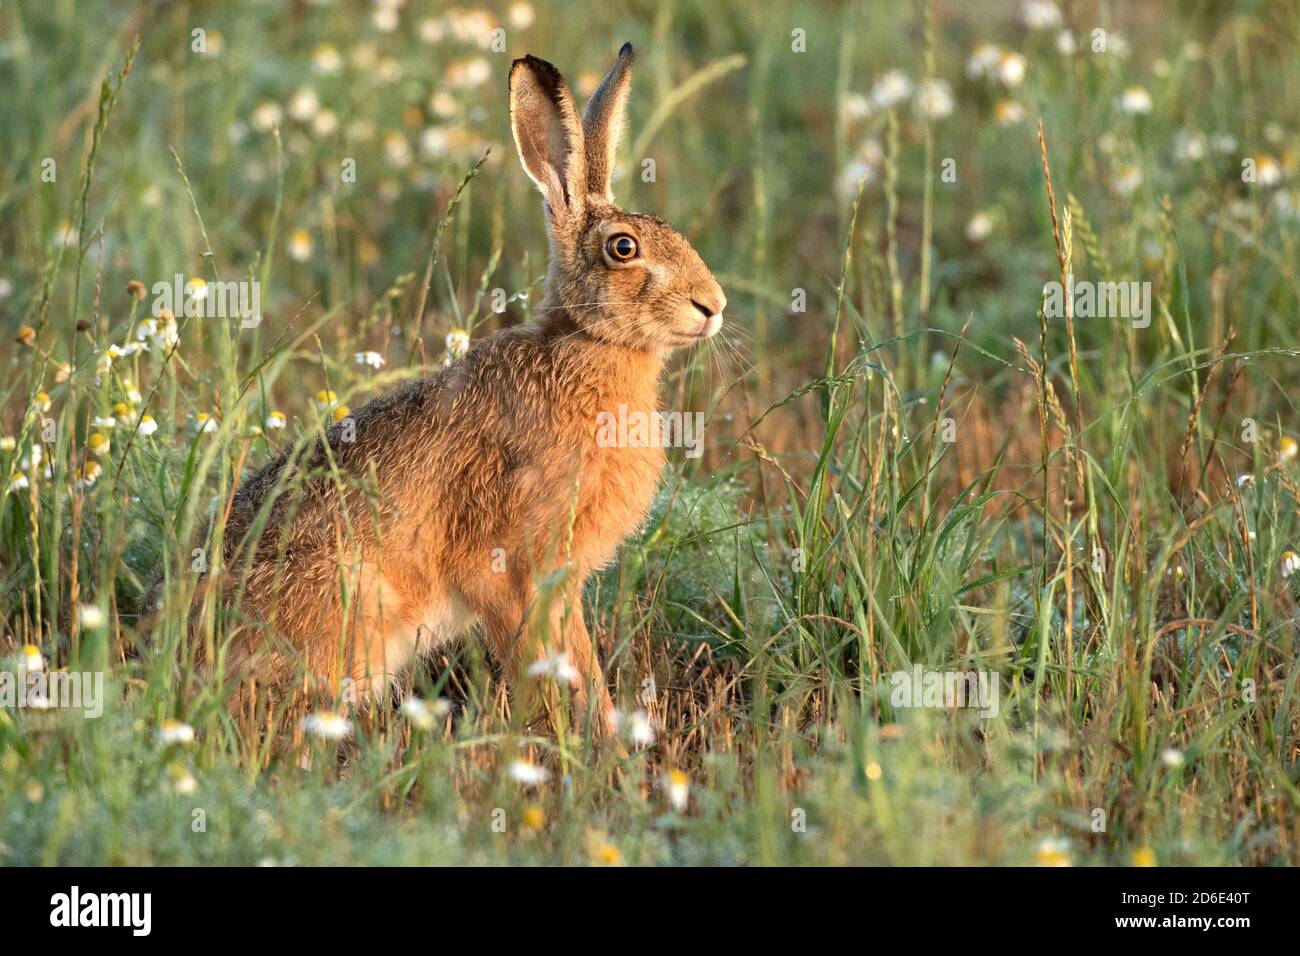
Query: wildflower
column 373, row 359
column 1011, row 69
column 274, row 420
column 103, row 421
column 325, row 59
column 8, row 443
column 205, row 423
column 304, row 104
column 679, row 789
column 65, row 234
column 397, row 150
column 533, row 817
column 196, row 289
column 555, row 666
column 1290, row 564
column 385, row 18
column 1040, row 14
column 1244, row 480
column 1009, row 112
column 421, row 713
column 471, row 26
column 26, row 336
column 98, row 444
column 87, row 474
column 1135, row 100
column 1144, row 856
column 18, row 482
column 326, row 399
column 41, row 403
column 165, row 329
column 431, row 30
column 175, row 732
column 605, row 853
column 62, row 372
column 1287, row 448
column 91, row 617
column 341, row 412
column 872, row 770
column 388, row 70
column 640, row 732
column 890, row 88
column 866, row 164
column 1223, row 143
column 528, row 774
column 326, row 725
column 265, row 116
column 934, row 99
column 457, row 344
column 182, row 780
column 1189, row 146
column 1127, row 179
column 983, row 60
column 521, row 15
column 300, row 245
column 30, row 659
column 1053, row 852
column 1171, row 757
column 469, row 73
column 1267, row 171
column 147, row 425
column 1065, row 43
column 979, row 227
column 443, row 104
column 326, row 123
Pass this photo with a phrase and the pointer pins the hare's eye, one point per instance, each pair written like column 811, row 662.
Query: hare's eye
column 621, row 248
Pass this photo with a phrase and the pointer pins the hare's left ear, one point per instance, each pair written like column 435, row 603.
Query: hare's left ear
column 602, row 122
column 548, row 135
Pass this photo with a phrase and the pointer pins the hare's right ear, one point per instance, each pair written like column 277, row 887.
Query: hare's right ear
column 548, row 135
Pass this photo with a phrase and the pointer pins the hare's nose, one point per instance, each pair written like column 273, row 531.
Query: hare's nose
column 709, row 301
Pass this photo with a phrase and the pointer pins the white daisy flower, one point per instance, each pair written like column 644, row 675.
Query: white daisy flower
column 1040, row 14
column 934, row 99
column 326, row 725
column 890, row 88
column 528, row 774
column 555, row 666
column 175, row 732
column 1136, row 101
column 1290, row 564
column 678, row 786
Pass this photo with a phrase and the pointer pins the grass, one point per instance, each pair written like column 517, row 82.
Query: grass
column 909, row 458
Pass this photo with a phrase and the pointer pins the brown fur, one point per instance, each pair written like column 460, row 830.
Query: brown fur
column 495, row 452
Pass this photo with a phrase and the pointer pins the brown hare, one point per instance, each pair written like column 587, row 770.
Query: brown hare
column 458, row 494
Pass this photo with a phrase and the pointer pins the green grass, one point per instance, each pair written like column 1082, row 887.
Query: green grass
column 829, row 536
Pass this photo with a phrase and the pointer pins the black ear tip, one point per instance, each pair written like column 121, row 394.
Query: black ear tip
column 543, row 71
column 626, row 51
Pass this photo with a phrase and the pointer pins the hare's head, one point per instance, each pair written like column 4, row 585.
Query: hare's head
column 621, row 277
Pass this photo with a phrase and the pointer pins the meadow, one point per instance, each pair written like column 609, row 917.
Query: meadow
column 919, row 457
